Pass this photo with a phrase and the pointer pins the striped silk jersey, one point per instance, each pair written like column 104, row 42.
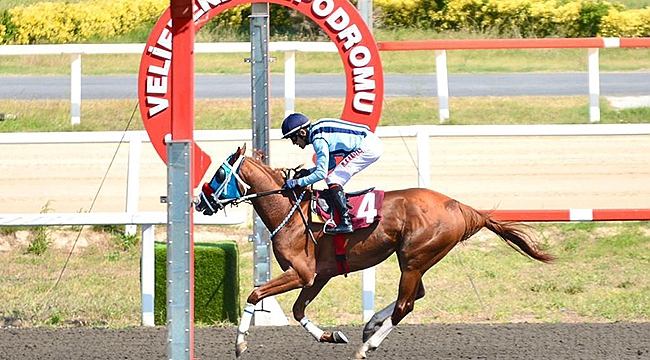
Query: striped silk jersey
column 331, row 139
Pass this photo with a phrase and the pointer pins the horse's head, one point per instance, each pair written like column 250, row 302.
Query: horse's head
column 225, row 187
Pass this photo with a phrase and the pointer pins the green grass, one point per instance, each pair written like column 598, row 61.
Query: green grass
column 116, row 115
column 603, row 279
column 395, row 62
column 600, row 276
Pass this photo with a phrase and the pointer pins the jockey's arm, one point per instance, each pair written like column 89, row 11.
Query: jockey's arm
column 322, row 160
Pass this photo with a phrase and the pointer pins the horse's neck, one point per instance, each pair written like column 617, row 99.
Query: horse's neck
column 261, row 178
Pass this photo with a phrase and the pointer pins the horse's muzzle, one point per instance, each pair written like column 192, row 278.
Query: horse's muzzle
column 203, row 204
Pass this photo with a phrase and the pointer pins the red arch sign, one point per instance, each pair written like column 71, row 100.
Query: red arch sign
column 338, row 18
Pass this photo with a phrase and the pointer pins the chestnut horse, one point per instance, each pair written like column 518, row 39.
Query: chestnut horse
column 420, row 225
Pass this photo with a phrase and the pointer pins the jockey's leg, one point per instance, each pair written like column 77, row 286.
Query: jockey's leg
column 286, row 281
column 344, row 225
column 305, row 298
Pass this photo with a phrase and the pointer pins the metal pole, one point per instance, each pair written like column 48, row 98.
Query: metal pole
column 268, row 311
column 260, row 124
column 180, row 222
column 180, row 287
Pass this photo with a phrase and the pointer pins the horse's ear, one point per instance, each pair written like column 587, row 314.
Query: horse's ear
column 243, row 151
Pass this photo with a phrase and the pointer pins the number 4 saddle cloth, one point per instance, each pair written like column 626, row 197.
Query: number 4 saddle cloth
column 365, row 207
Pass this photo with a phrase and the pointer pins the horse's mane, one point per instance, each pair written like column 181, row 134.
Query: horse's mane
column 277, row 174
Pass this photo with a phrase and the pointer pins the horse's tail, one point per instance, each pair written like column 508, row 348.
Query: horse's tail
column 511, row 232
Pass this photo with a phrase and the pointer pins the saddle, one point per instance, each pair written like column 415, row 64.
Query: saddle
column 365, row 210
column 365, row 206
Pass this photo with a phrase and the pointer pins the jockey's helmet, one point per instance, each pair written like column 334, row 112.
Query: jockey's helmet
column 293, row 123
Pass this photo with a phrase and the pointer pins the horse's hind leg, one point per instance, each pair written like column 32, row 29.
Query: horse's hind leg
column 409, row 285
column 305, row 298
column 380, row 316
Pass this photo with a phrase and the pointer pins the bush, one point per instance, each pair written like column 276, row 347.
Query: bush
column 58, row 23
column 632, row 23
column 97, row 20
column 216, row 283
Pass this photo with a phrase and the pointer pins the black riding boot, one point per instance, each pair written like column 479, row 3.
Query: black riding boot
column 344, row 225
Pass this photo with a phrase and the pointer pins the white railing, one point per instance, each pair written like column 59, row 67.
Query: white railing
column 149, row 219
column 291, row 47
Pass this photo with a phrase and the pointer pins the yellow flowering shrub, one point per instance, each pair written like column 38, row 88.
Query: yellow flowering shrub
column 48, row 22
column 62, row 22
column 538, row 18
column 631, row 23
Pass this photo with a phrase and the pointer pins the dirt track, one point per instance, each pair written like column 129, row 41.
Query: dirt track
column 552, row 172
column 620, row 341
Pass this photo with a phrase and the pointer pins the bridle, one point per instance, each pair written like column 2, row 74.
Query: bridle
column 232, row 180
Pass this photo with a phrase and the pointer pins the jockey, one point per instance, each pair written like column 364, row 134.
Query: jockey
column 333, row 138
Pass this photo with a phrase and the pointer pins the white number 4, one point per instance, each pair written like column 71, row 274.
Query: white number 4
column 367, row 208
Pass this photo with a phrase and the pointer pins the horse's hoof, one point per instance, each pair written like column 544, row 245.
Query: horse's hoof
column 240, row 348
column 339, row 337
column 361, row 353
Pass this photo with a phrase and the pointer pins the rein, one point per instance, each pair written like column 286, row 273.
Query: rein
column 234, row 173
column 241, row 199
column 293, row 209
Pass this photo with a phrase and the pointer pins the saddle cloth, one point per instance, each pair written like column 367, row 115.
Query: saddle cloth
column 365, row 206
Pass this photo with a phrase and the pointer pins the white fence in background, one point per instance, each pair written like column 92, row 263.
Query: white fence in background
column 289, row 48
column 148, row 220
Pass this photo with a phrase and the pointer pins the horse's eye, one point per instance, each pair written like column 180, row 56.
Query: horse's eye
column 220, row 176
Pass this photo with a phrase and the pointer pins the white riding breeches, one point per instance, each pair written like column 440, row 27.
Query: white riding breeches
column 368, row 152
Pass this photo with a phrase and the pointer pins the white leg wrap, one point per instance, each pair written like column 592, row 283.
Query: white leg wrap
column 375, row 339
column 245, row 322
column 381, row 334
column 313, row 329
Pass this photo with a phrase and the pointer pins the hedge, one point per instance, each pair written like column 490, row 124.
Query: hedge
column 62, row 22
column 216, row 283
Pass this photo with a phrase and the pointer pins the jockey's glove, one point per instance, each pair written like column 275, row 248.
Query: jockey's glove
column 290, row 184
column 302, row 173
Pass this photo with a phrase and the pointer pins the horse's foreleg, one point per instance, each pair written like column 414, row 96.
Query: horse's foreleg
column 409, row 287
column 305, row 298
column 288, row 280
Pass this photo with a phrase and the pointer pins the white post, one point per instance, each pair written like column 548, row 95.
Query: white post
column 289, row 82
column 365, row 9
column 594, row 86
column 368, row 293
column 133, row 179
column 424, row 163
column 147, row 275
column 443, row 85
column 75, row 89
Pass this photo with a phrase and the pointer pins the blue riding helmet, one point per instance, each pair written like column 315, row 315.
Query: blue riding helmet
column 293, row 123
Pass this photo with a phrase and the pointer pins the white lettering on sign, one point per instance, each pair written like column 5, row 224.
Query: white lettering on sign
column 361, row 81
column 157, row 76
column 203, row 6
column 367, row 208
column 359, row 56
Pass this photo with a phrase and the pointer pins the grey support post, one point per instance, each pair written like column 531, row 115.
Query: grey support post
column 267, row 311
column 180, row 315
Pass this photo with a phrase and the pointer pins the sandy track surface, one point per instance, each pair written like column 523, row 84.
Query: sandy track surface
column 619, row 341
column 557, row 172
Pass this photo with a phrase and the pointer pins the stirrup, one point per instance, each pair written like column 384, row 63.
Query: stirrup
column 339, row 229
